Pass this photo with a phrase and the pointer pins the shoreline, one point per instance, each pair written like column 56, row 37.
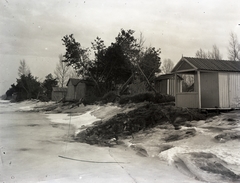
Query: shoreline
column 33, row 144
column 181, row 148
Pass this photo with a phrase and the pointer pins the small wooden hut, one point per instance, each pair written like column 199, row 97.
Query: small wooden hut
column 58, row 93
column 79, row 89
column 165, row 84
column 216, row 83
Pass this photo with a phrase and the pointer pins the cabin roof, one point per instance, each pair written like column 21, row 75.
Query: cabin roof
column 167, row 76
column 75, row 81
column 59, row 89
column 191, row 64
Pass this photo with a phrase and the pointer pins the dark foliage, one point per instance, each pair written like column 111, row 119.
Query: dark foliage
column 11, row 91
column 112, row 65
column 76, row 56
column 141, row 118
column 149, row 96
column 48, row 84
column 27, row 88
column 111, row 96
column 150, row 62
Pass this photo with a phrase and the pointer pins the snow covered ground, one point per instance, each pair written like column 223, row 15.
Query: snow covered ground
column 80, row 121
column 200, row 155
column 185, row 152
column 35, row 149
column 191, row 154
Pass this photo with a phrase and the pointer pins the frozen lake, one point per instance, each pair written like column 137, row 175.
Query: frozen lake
column 31, row 147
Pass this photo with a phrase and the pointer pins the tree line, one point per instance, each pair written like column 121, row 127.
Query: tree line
column 29, row 87
column 111, row 67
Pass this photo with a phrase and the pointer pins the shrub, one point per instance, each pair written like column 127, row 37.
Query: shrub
column 148, row 96
column 109, row 97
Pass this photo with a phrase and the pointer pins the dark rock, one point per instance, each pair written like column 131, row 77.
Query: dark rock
column 212, row 164
column 165, row 147
column 142, row 152
column 98, row 122
column 230, row 119
column 180, row 134
column 227, row 136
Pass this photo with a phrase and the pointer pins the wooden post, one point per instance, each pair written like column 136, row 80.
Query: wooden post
column 175, row 85
column 175, row 89
column 199, row 90
column 168, row 87
column 180, row 87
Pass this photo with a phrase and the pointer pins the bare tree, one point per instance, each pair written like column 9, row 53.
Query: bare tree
column 62, row 71
column 188, row 78
column 23, row 68
column 167, row 66
column 72, row 73
column 141, row 41
column 234, row 48
column 214, row 54
column 201, row 54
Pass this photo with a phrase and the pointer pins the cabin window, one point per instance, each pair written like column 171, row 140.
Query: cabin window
column 188, row 83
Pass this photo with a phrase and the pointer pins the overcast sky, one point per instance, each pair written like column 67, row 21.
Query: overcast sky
column 33, row 29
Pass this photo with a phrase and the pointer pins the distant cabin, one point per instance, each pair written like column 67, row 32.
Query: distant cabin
column 165, row 84
column 58, row 93
column 216, row 83
column 79, row 89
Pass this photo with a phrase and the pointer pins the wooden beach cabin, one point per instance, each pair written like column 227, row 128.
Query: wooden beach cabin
column 216, row 83
column 58, row 93
column 165, row 84
column 78, row 89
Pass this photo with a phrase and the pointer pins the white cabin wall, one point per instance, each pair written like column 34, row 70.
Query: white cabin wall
column 234, row 90
column 229, row 90
column 223, row 90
